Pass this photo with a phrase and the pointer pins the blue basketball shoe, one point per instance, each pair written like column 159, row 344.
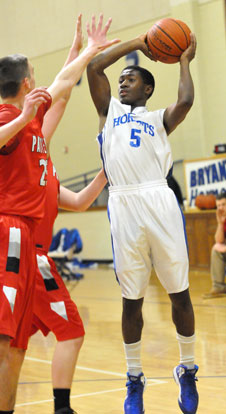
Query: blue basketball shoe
column 188, row 396
column 134, row 400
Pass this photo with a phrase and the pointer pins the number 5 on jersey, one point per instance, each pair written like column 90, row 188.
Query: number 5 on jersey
column 135, row 138
column 43, row 180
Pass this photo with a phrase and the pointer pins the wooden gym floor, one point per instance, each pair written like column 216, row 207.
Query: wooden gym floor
column 99, row 381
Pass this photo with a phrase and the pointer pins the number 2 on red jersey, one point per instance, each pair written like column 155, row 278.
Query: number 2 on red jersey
column 43, row 180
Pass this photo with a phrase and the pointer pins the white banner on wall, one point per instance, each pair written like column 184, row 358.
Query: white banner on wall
column 204, row 176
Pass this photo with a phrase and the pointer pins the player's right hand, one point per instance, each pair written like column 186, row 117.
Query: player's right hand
column 189, row 53
column 32, row 102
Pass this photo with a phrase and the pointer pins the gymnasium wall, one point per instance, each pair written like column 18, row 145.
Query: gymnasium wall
column 43, row 30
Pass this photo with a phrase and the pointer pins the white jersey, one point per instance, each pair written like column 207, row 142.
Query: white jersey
column 134, row 145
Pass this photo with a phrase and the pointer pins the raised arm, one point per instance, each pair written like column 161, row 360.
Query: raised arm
column 55, row 113
column 77, row 42
column 71, row 73
column 68, row 200
column 98, row 82
column 176, row 113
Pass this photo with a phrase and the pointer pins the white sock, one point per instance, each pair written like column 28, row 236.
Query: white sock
column 133, row 358
column 187, row 350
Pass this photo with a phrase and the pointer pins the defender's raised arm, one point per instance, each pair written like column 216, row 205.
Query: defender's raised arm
column 70, row 74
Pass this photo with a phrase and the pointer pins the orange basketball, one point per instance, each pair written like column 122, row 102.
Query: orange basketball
column 168, row 39
column 205, row 201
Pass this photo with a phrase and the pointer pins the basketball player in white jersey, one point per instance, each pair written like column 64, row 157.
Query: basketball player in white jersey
column 147, row 224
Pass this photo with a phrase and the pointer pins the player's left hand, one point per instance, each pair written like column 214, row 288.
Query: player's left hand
column 97, row 36
column 145, row 49
column 189, row 53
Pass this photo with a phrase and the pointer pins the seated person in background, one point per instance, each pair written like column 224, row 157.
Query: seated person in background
column 218, row 253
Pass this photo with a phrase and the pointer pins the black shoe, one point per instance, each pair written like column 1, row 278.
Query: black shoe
column 65, row 410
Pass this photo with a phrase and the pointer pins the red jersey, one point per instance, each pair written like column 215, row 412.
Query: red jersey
column 23, row 166
column 44, row 229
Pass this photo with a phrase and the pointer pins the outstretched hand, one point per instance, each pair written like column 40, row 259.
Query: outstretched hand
column 77, row 42
column 97, row 35
column 189, row 53
column 78, row 39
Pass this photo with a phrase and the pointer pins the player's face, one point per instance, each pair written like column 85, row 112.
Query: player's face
column 131, row 88
column 221, row 206
column 32, row 77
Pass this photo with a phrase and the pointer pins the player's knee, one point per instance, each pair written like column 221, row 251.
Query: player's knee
column 216, row 255
column 132, row 309
column 181, row 301
column 75, row 343
column 4, row 346
column 80, row 341
column 16, row 358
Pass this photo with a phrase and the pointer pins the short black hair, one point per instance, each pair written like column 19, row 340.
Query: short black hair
column 146, row 76
column 221, row 195
column 13, row 69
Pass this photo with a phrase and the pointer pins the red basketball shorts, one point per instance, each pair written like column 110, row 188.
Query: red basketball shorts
column 17, row 278
column 54, row 309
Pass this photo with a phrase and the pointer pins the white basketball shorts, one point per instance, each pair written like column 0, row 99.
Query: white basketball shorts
column 147, row 228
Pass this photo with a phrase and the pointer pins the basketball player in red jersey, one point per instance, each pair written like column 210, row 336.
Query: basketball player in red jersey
column 23, row 170
column 53, row 308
